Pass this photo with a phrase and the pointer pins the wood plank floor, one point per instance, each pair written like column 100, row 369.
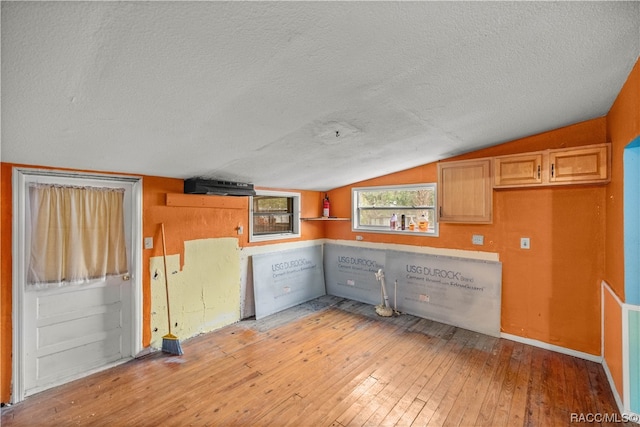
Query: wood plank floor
column 332, row 362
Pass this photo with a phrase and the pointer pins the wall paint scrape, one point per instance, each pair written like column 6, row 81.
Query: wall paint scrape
column 204, row 295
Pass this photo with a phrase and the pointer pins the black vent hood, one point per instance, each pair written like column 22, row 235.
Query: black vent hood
column 217, row 187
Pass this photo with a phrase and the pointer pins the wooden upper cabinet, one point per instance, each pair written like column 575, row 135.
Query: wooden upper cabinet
column 465, row 187
column 579, row 165
column 465, row 191
column 518, row 170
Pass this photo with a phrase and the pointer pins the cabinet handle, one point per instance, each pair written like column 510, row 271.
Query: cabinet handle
column 552, row 170
column 538, row 171
column 440, row 211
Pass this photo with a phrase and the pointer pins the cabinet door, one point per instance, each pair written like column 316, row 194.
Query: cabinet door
column 464, row 191
column 519, row 170
column 579, row 165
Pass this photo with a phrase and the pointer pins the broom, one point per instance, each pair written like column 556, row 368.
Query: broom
column 170, row 343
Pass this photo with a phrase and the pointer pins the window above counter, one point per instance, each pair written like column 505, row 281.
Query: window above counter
column 399, row 209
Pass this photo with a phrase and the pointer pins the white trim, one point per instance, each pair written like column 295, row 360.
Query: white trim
column 459, row 253
column 624, row 321
column 556, row 348
column 624, row 401
column 18, row 277
column 19, row 176
column 606, row 285
column 614, row 390
column 626, row 386
column 602, row 321
column 283, row 246
column 136, row 268
column 626, row 375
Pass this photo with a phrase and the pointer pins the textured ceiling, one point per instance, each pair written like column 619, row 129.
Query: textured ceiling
column 299, row 95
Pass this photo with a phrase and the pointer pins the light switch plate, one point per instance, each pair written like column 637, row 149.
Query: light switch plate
column 525, row 243
column 148, row 242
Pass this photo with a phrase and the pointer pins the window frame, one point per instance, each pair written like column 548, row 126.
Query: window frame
column 355, row 221
column 295, row 217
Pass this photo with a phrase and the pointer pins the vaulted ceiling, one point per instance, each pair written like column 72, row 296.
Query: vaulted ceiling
column 299, row 95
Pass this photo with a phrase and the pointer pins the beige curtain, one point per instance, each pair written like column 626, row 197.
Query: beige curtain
column 77, row 234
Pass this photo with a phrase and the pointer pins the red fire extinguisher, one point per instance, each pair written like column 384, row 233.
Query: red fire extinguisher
column 325, row 206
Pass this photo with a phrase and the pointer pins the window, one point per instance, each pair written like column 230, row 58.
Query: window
column 274, row 215
column 374, row 207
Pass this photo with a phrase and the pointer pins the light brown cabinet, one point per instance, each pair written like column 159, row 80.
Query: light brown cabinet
column 465, row 187
column 582, row 165
column 464, row 191
column 579, row 165
column 521, row 169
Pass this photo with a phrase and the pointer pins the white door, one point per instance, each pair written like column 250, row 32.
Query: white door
column 73, row 330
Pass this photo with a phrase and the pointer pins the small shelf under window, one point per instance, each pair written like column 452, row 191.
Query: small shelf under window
column 326, row 218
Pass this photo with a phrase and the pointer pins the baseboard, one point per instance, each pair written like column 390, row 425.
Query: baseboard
column 146, row 352
column 556, row 348
column 612, row 386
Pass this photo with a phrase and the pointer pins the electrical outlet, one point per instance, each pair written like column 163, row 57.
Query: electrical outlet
column 477, row 239
column 525, row 243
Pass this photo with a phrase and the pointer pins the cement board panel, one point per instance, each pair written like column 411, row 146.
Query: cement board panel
column 456, row 291
column 287, row 278
column 350, row 272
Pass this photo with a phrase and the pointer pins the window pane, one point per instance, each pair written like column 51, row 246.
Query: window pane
column 272, row 204
column 396, row 198
column 272, row 215
column 268, row 224
column 377, row 217
column 375, row 206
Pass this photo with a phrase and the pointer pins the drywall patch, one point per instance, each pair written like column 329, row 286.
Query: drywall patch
column 204, row 295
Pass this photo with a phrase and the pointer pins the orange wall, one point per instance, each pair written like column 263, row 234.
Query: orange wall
column 613, row 338
column 181, row 224
column 187, row 223
column 551, row 292
column 623, row 126
column 5, row 283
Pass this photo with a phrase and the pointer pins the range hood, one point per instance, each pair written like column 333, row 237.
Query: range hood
column 217, row 187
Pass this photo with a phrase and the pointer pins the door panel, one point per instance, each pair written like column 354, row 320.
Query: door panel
column 75, row 329
column 57, row 367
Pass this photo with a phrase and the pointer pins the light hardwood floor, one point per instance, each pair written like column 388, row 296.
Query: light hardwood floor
column 332, row 362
